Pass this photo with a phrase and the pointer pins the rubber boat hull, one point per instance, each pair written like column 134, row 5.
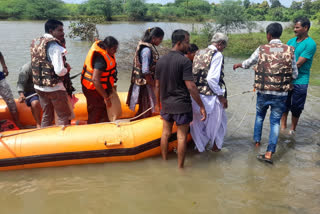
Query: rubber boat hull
column 82, row 144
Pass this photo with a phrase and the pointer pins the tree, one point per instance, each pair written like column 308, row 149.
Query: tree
column 136, row 9
column 296, row 5
column 307, row 5
column 85, row 29
column 99, row 7
column 44, row 9
column 230, row 15
column 246, row 4
column 275, row 3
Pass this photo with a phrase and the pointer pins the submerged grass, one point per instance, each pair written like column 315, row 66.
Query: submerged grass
column 243, row 45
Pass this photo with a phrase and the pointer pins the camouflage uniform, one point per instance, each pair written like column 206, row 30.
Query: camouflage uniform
column 140, row 92
column 7, row 96
column 273, row 71
column 42, row 69
column 137, row 76
column 200, row 69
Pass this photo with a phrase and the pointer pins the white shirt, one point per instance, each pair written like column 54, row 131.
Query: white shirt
column 213, row 78
column 55, row 53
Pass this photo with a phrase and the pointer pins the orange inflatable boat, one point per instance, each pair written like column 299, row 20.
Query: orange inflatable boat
column 80, row 110
column 80, row 144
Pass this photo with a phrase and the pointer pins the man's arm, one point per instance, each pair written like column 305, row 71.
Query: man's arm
column 97, row 84
column 4, row 66
column 157, row 93
column 195, row 95
column 55, row 53
column 249, row 62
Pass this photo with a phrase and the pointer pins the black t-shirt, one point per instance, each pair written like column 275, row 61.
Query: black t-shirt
column 98, row 62
column 172, row 70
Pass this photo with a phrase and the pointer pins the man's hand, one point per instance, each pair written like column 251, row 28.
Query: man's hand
column 203, row 113
column 223, row 101
column 5, row 71
column 22, row 98
column 68, row 67
column 235, row 66
column 107, row 101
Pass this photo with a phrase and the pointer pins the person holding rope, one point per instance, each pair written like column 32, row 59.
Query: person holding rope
column 208, row 74
column 98, row 78
column 27, row 92
column 141, row 90
column 275, row 69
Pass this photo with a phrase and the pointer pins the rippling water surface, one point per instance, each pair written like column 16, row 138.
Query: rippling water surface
column 231, row 181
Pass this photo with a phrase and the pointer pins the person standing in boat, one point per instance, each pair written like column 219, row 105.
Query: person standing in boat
column 305, row 48
column 208, row 74
column 48, row 69
column 174, row 85
column 98, row 78
column 26, row 88
column 141, row 90
column 6, row 93
column 276, row 68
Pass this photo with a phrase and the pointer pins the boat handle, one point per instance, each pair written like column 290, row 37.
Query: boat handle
column 113, row 144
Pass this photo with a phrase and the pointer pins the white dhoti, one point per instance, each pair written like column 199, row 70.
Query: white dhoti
column 213, row 129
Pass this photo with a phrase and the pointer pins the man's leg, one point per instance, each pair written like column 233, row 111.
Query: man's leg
column 261, row 110
column 36, row 112
column 7, row 96
column 166, row 133
column 47, row 108
column 278, row 106
column 182, row 133
column 299, row 96
column 60, row 103
column 284, row 117
column 284, row 120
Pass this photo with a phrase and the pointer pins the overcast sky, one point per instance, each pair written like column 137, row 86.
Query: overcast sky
column 286, row 3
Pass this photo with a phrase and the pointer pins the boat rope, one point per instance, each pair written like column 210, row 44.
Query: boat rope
column 7, row 147
column 117, row 122
column 74, row 76
column 31, row 96
column 239, row 125
column 244, row 92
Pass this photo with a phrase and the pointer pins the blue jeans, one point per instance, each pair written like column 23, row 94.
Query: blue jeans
column 278, row 107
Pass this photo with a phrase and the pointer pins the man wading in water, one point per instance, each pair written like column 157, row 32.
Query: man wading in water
column 276, row 66
column 174, row 84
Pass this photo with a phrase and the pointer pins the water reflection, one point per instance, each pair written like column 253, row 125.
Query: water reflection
column 231, row 181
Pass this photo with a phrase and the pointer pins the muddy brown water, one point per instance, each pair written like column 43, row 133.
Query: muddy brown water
column 231, row 181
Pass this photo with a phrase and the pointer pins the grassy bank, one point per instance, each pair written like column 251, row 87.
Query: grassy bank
column 243, row 45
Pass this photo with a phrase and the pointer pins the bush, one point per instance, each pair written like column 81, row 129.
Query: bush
column 85, row 29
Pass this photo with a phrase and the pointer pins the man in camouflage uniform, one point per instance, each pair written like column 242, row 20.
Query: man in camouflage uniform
column 208, row 75
column 48, row 68
column 274, row 71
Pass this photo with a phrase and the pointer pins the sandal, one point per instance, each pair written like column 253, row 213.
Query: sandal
column 263, row 158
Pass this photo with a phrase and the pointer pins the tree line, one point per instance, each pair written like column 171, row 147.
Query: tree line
column 138, row 10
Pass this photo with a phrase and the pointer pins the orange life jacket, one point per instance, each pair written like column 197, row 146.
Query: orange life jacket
column 108, row 76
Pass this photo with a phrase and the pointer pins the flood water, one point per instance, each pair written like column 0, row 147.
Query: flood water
column 231, row 181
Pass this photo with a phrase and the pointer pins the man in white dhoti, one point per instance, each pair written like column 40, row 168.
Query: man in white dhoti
column 208, row 75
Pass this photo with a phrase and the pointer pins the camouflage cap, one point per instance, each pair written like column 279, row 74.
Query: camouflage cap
column 218, row 37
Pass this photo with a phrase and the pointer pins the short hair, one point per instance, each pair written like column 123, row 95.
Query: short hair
column 152, row 32
column 304, row 21
column 178, row 36
column 193, row 48
column 219, row 37
column 274, row 29
column 110, row 42
column 52, row 24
